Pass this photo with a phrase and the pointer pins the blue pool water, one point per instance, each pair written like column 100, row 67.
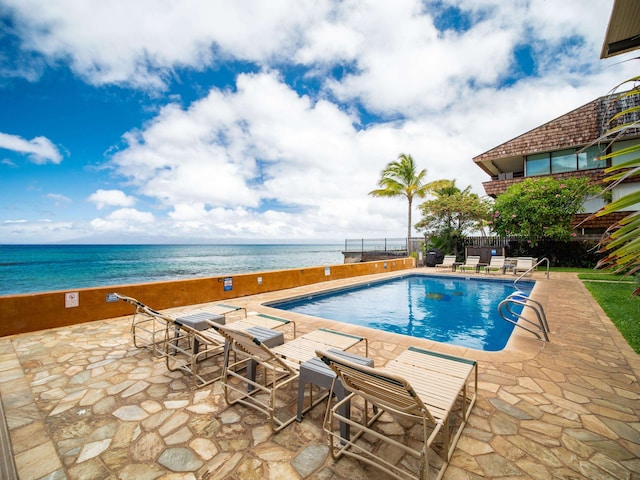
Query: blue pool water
column 455, row 310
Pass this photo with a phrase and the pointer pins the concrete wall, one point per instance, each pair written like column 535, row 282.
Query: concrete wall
column 39, row 311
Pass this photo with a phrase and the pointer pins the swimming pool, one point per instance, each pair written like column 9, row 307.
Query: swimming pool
column 456, row 310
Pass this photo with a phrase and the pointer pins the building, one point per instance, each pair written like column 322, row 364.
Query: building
column 623, row 30
column 557, row 149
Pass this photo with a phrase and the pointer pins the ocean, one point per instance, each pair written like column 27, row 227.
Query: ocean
column 41, row 268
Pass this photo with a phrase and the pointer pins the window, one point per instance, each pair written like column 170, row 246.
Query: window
column 592, row 231
column 589, row 159
column 593, row 204
column 537, row 165
column 625, row 157
column 563, row 161
column 626, row 189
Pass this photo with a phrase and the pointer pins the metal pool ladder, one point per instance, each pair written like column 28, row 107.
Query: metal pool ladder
column 545, row 259
column 540, row 328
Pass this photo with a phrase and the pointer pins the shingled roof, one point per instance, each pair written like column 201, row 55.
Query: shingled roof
column 576, row 128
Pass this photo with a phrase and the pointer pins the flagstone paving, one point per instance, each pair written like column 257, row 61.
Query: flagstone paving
column 82, row 402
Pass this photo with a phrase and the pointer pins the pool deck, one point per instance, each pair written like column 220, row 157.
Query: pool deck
column 82, row 402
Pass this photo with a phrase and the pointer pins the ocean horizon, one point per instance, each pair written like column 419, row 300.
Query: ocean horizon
column 42, row 268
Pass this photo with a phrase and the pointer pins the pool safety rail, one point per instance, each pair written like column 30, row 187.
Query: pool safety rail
column 540, row 328
column 545, row 259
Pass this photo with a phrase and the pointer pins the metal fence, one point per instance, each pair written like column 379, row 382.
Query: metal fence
column 391, row 245
column 399, row 245
column 490, row 241
column 493, row 241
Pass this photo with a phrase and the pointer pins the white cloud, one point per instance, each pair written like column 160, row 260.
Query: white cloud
column 35, row 231
column 403, row 65
column 141, row 42
column 125, row 220
column 58, row 199
column 40, row 150
column 111, row 198
column 7, row 162
column 218, row 161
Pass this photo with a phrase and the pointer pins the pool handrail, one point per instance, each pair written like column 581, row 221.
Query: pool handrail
column 520, row 298
column 545, row 259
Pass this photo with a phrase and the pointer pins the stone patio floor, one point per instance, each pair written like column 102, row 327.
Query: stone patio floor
column 82, row 402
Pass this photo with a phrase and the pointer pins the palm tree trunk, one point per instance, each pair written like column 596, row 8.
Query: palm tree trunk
column 409, row 229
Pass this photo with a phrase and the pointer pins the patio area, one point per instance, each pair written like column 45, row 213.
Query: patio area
column 82, row 402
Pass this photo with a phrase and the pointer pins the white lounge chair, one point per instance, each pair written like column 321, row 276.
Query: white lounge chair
column 447, row 262
column 523, row 264
column 496, row 263
column 434, row 390
column 186, row 338
column 472, row 263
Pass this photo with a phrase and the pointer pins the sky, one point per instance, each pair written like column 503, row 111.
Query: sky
column 250, row 121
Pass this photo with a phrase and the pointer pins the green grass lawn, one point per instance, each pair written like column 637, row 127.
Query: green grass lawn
column 613, row 293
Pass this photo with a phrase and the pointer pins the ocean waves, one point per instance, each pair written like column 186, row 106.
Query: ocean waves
column 39, row 268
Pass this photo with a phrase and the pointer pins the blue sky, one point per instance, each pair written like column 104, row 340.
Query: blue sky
column 129, row 122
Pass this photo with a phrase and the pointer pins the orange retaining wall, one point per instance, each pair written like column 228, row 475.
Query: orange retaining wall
column 39, row 311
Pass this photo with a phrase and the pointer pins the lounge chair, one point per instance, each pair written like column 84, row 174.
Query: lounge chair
column 225, row 309
column 428, row 388
column 264, row 321
column 149, row 327
column 269, row 370
column 185, row 339
column 186, row 347
column 496, row 263
column 471, row 263
column 147, row 331
column 193, row 338
column 141, row 318
column 447, row 263
column 523, row 264
column 304, row 347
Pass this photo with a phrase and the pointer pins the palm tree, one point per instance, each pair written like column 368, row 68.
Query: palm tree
column 622, row 240
column 402, row 178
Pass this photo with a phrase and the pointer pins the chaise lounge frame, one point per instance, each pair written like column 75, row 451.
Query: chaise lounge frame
column 279, row 368
column 448, row 262
column 472, row 262
column 434, row 390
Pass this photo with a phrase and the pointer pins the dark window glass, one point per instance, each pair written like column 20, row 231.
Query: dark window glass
column 538, row 165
